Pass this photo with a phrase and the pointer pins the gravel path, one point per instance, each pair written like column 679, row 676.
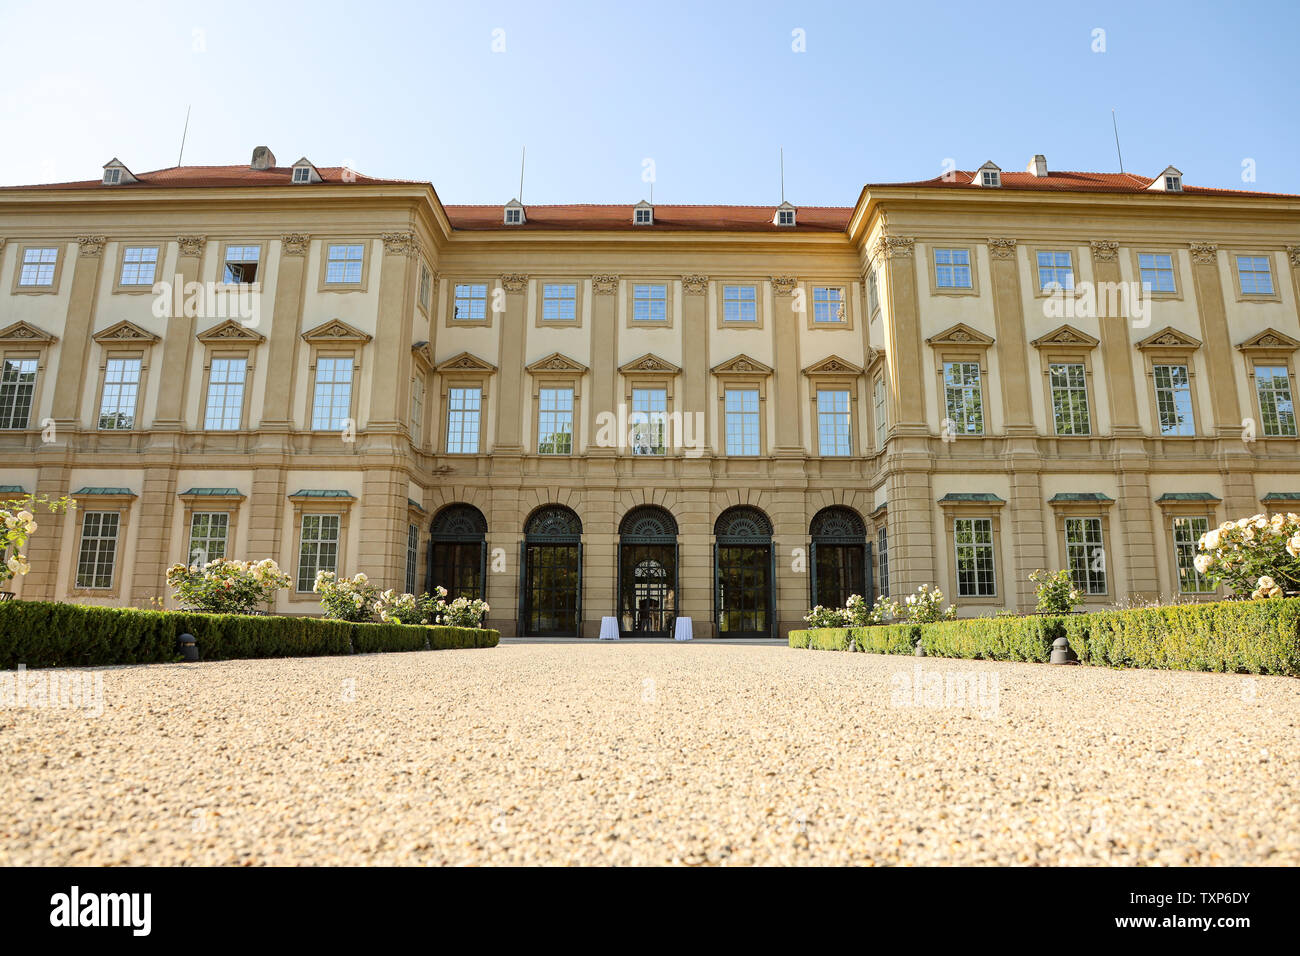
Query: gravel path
column 654, row 753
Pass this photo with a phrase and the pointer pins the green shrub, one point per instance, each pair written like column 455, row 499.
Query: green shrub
column 47, row 634
column 1257, row 637
column 370, row 638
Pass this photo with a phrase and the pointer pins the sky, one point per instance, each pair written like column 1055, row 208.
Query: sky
column 701, row 96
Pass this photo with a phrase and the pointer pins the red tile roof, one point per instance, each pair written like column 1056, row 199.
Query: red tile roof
column 1071, row 182
column 666, row 217
column 179, row 177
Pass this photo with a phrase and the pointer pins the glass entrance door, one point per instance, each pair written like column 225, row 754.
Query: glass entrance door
column 744, row 590
column 647, row 576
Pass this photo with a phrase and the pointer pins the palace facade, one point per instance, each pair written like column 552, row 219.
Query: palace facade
column 644, row 412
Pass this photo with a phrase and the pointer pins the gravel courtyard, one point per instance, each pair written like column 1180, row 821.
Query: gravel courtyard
column 701, row 753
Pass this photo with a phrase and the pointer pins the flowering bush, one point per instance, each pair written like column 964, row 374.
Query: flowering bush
column 462, row 612
column 828, row 616
column 346, row 599
column 925, row 606
column 17, row 524
column 1056, row 591
column 1259, row 555
column 224, row 586
column 394, row 608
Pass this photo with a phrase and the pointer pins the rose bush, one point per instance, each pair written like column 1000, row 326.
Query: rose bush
column 926, row 606
column 346, row 599
column 1056, row 591
column 17, row 524
column 1258, row 556
column 225, row 586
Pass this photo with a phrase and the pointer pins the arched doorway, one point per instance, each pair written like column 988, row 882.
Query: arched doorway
column 840, row 559
column 550, row 584
column 458, row 552
column 647, row 572
column 744, row 574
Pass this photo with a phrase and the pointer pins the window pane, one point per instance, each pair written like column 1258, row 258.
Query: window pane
column 952, row 269
column 97, row 555
column 559, row 302
column 833, row 427
column 1055, row 271
column 38, row 267
column 555, row 421
column 225, row 394
column 332, row 401
column 121, row 388
column 975, row 560
column 1273, row 385
column 1174, row 400
column 1256, row 278
column 1070, row 399
column 343, row 266
column 1187, row 535
column 318, row 548
column 828, row 304
column 463, row 407
column 649, row 303
column 648, row 421
column 208, row 536
column 964, row 397
column 139, row 263
column 1157, row 271
column 17, row 386
column 470, row 302
column 742, row 426
column 1085, row 554
column 739, row 303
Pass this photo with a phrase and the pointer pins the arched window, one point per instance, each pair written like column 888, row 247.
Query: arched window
column 744, row 574
column 647, row 572
column 840, row 558
column 550, row 562
column 458, row 552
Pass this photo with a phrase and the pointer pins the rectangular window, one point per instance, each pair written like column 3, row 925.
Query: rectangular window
column 882, row 559
column 1085, row 554
column 741, row 405
column 1255, row 275
column 1174, row 400
column 559, row 302
column 463, row 408
column 1156, row 271
column 343, row 264
column 38, row 267
column 318, row 548
column 225, row 411
column 98, row 553
column 555, row 421
column 873, row 293
column 739, row 303
column 1070, row 399
column 1273, row 385
column 17, row 388
column 121, row 388
column 426, row 288
column 139, row 264
column 878, row 405
column 470, row 302
column 828, row 305
column 963, row 397
column 975, row 567
column 952, row 269
column 412, row 556
column 331, row 405
column 209, row 534
column 833, row 434
column 649, row 303
column 241, row 264
column 1055, row 272
column 649, row 418
column 417, row 406
column 1187, row 535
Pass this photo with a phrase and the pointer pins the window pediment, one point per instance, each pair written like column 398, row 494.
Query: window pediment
column 125, row 331
column 833, row 365
column 1270, row 340
column 23, row 333
column 335, row 330
column 466, row 362
column 230, row 331
column 1067, row 336
column 1169, row 339
column 742, row 364
column 962, row 335
column 649, row 364
column 556, row 362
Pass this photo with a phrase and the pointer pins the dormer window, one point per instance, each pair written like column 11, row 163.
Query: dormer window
column 784, row 215
column 1170, row 180
column 990, row 177
column 304, row 172
column 1173, row 184
column 115, row 173
column 301, row 174
column 643, row 214
column 515, row 213
column 112, row 176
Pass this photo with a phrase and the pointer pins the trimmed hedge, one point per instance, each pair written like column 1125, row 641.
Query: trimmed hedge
column 48, row 634
column 1255, row 637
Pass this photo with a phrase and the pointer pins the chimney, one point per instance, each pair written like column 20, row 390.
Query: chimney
column 1037, row 166
column 263, row 158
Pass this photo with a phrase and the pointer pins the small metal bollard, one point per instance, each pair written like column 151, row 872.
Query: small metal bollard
column 1062, row 652
column 188, row 647
column 920, row 649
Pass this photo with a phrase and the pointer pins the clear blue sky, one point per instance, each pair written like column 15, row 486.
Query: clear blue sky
column 709, row 91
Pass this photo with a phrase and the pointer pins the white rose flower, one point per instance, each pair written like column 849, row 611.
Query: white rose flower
column 1266, row 583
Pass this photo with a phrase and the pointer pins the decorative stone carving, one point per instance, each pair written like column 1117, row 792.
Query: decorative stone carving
column 783, row 285
column 742, row 365
column 466, row 362
column 1066, row 335
column 295, row 243
column 230, row 331
column 833, row 365
column 557, row 362
column 1292, row 252
column 401, row 244
column 1169, row 338
column 649, row 364
column 335, row 330
column 695, row 285
column 604, row 284
column 1105, row 250
column 1270, row 340
column 1002, row 248
column 125, row 331
column 960, row 334
column 22, row 333
column 92, row 247
column 895, row 247
column 190, row 246
column 514, row 282
column 1205, row 253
